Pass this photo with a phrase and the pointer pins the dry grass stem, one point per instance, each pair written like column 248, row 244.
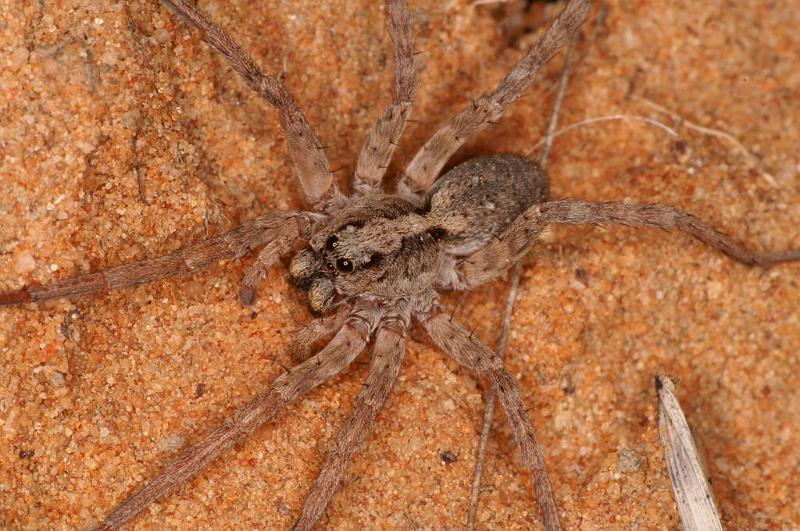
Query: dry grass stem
column 752, row 159
column 690, row 484
column 598, row 119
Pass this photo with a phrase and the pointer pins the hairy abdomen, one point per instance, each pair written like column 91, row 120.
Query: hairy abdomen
column 475, row 201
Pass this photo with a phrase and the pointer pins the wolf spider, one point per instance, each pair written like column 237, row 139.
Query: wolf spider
column 373, row 262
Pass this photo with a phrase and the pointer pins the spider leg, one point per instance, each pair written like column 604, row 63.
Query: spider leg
column 281, row 242
column 232, row 244
column 383, row 137
column 493, row 259
column 297, row 381
column 316, row 330
column 574, row 212
column 456, row 342
column 428, row 162
column 310, row 162
column 500, row 254
column 387, row 357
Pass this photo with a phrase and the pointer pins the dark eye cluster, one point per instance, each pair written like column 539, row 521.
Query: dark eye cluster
column 342, row 264
column 345, row 265
column 331, row 243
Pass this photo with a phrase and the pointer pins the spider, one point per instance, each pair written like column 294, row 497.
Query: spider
column 372, row 262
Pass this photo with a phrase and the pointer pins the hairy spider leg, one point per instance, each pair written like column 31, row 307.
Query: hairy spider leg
column 494, row 259
column 308, row 156
column 431, row 158
column 388, row 353
column 280, row 229
column 383, row 137
column 455, row 341
column 315, row 330
column 297, row 381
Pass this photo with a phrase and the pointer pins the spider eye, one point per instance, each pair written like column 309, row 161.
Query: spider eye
column 438, row 233
column 343, row 264
column 330, row 244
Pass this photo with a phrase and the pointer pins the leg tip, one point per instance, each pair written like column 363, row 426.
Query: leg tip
column 15, row 297
column 247, row 295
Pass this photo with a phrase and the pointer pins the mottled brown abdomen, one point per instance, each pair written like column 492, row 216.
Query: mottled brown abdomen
column 476, row 200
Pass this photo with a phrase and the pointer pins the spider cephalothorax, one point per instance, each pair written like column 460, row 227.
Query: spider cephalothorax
column 360, row 249
column 386, row 246
column 372, row 263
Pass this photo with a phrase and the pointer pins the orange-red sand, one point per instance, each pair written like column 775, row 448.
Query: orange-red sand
column 98, row 392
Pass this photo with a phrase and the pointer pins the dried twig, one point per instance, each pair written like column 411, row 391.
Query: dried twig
column 598, row 119
column 137, row 171
column 491, row 397
column 562, row 89
column 752, row 159
column 701, row 129
column 690, row 483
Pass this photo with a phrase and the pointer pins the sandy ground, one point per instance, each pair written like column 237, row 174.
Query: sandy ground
column 96, row 393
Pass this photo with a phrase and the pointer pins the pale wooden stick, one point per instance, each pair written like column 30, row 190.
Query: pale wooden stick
column 690, row 484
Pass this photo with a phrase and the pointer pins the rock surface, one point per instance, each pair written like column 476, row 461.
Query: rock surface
column 124, row 137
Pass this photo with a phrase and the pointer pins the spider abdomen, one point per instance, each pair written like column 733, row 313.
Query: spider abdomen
column 478, row 199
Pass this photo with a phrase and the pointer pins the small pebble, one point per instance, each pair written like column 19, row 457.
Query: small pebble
column 24, row 263
column 628, row 461
column 56, row 379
